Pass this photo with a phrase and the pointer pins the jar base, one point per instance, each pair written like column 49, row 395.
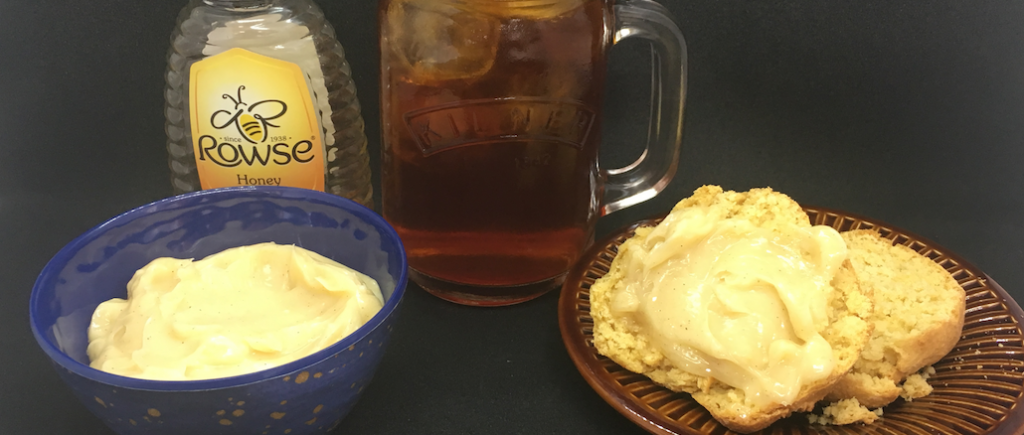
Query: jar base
column 484, row 296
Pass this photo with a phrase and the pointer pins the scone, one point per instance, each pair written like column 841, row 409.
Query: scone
column 827, row 314
column 846, row 411
column 918, row 317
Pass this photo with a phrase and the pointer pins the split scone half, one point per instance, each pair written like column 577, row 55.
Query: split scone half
column 918, row 317
column 736, row 299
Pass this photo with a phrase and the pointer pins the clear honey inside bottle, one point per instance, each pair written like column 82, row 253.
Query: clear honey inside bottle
column 259, row 93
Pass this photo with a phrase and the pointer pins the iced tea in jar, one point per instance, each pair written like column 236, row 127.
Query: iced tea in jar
column 491, row 113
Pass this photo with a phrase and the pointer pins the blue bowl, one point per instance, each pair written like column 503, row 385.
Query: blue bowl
column 310, row 395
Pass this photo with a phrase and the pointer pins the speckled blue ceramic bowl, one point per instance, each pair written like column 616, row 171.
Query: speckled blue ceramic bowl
column 303, row 397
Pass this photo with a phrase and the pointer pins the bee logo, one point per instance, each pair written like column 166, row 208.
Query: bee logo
column 252, row 121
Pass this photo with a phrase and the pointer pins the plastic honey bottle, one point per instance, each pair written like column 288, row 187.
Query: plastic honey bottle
column 259, row 93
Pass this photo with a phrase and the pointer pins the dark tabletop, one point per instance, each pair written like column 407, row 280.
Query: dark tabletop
column 911, row 113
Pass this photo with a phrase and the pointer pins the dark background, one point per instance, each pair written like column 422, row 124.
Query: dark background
column 908, row 112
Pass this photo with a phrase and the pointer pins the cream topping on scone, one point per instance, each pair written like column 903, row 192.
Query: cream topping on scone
column 745, row 305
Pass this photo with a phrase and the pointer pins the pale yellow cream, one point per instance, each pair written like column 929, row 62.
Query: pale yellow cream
column 741, row 304
column 238, row 311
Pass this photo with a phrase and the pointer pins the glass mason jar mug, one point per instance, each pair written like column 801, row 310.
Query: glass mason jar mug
column 491, row 113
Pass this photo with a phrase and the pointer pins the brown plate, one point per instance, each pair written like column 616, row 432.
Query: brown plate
column 978, row 387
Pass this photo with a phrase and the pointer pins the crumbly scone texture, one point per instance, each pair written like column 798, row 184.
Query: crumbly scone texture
column 846, row 411
column 849, row 411
column 916, row 385
column 918, row 318
column 622, row 340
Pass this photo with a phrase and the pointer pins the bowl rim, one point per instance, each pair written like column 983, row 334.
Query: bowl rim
column 49, row 272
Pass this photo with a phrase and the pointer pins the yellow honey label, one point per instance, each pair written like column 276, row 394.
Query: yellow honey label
column 254, row 123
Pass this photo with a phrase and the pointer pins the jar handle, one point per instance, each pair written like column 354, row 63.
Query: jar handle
column 652, row 171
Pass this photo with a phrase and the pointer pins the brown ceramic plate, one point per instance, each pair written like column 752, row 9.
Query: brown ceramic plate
column 979, row 386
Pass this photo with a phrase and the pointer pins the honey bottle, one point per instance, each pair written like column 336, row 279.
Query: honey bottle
column 259, row 93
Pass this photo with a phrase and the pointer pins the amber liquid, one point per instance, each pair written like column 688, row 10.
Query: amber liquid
column 490, row 169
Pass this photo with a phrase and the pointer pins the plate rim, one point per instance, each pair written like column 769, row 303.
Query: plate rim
column 587, row 363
